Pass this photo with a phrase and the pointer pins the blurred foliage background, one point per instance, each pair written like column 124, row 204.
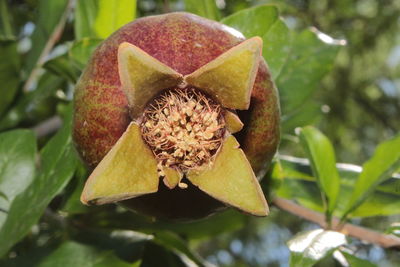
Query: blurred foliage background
column 336, row 64
column 359, row 98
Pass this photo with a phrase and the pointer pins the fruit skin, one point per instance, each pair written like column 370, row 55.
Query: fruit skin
column 184, row 42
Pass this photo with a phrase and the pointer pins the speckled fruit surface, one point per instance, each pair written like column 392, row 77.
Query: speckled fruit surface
column 184, row 42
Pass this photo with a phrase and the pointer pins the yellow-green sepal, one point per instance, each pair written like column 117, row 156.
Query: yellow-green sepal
column 128, row 170
column 230, row 77
column 143, row 77
column 231, row 180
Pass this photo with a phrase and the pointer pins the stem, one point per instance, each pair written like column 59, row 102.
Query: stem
column 383, row 240
column 54, row 37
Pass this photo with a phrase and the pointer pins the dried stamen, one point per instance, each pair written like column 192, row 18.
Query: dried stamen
column 184, row 128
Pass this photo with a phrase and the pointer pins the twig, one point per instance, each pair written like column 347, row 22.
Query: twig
column 166, row 7
column 56, row 219
column 48, row 126
column 383, row 240
column 54, row 37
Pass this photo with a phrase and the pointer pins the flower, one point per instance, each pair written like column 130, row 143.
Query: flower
column 181, row 127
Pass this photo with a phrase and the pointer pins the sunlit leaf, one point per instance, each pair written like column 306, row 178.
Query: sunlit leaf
column 85, row 16
column 203, row 8
column 309, row 60
column 9, row 73
column 321, row 154
column 57, row 165
column 17, row 165
column 380, row 167
column 112, row 14
column 309, row 247
column 264, row 21
column 255, row 21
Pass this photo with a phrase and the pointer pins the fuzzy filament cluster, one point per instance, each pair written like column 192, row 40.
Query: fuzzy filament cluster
column 184, row 128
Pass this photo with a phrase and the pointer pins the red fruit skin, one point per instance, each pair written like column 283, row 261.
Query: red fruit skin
column 185, row 42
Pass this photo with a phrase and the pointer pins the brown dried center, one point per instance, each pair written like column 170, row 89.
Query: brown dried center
column 184, row 128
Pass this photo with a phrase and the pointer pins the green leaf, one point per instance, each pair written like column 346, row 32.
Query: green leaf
column 264, row 21
column 222, row 222
column 276, row 46
column 127, row 244
column 17, row 165
column 57, row 165
column 309, row 60
column 308, row 114
column 6, row 29
column 176, row 244
column 3, row 195
column 73, row 204
column 309, row 247
column 50, row 13
column 354, row 261
column 227, row 221
column 62, row 67
column 81, row 51
column 9, row 73
column 78, row 255
column 34, row 105
column 85, row 16
column 299, row 184
column 164, row 257
column 203, row 8
column 255, row 21
column 384, row 162
column 306, row 193
column 394, row 229
column 112, row 14
column 321, row 154
column 379, row 203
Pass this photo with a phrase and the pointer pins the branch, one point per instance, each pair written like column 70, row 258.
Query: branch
column 55, row 218
column 54, row 37
column 362, row 233
column 47, row 127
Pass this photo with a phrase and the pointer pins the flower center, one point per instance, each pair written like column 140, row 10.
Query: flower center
column 184, row 128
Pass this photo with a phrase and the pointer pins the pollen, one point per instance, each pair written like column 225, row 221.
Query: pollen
column 184, row 128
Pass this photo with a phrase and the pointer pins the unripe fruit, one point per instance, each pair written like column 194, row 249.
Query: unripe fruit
column 182, row 62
